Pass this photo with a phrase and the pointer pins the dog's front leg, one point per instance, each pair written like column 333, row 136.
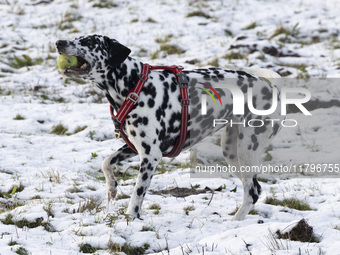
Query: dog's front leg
column 108, row 168
column 149, row 160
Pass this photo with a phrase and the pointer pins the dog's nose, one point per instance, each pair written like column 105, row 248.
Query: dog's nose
column 61, row 43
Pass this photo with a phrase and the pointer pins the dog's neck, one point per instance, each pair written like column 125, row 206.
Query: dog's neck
column 117, row 82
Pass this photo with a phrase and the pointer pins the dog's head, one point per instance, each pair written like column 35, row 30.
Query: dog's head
column 96, row 54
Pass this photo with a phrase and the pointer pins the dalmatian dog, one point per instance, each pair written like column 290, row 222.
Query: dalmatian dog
column 153, row 125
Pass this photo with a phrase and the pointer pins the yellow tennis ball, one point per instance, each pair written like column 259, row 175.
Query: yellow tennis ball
column 65, row 61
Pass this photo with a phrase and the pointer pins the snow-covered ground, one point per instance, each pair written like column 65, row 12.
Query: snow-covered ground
column 52, row 192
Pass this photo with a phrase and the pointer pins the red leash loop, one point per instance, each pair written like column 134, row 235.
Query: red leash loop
column 132, row 99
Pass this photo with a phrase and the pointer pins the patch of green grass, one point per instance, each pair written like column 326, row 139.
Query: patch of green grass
column 91, row 134
column 29, row 224
column 48, row 209
column 12, row 243
column 171, row 49
column 214, row 62
column 12, row 191
column 54, row 99
column 26, row 223
column 303, row 74
column 52, row 175
column 128, row 249
column 228, row 33
column 110, row 218
column 269, row 148
column 122, row 196
column 185, row 165
column 76, row 80
column 251, row 26
column 164, row 40
column 166, row 47
column 67, row 20
column 198, row 14
column 8, row 220
column 100, row 177
column 261, row 57
column 93, row 155
column 292, row 203
column 302, row 68
column 104, row 4
column 123, row 176
column 87, row 248
column 162, row 168
column 24, row 61
column 79, row 129
column 10, row 205
column 155, row 207
column 92, row 188
column 154, row 55
column 272, row 181
column 188, row 209
column 288, row 31
column 36, row 197
column 21, row 251
column 74, row 189
column 150, row 20
column 18, row 117
column 196, row 186
column 92, row 205
column 233, row 55
column 59, row 99
column 148, row 228
column 194, row 61
column 252, row 212
column 59, row 129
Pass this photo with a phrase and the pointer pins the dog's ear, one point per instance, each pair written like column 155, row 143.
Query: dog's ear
column 117, row 53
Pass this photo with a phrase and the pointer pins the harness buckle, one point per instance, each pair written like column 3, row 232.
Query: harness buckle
column 185, row 102
column 117, row 133
column 182, row 79
column 131, row 95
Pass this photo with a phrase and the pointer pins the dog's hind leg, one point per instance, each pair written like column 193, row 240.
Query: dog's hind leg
column 250, row 149
column 251, row 192
column 233, row 145
column 108, row 167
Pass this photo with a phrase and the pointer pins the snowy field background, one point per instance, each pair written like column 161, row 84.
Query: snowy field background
column 55, row 132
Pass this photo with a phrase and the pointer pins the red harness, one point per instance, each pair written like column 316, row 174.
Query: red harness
column 132, row 98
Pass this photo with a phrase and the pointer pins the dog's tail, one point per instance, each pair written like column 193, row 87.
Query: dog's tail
column 261, row 72
column 270, row 75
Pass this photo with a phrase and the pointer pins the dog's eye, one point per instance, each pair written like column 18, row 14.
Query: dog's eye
column 89, row 42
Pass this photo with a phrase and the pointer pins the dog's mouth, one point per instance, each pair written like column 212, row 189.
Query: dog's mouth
column 83, row 67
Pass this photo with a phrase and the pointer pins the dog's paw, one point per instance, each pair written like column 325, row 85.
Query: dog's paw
column 111, row 186
column 111, row 194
